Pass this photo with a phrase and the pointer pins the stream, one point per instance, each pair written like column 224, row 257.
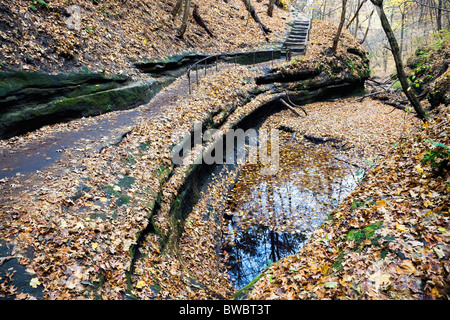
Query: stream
column 270, row 217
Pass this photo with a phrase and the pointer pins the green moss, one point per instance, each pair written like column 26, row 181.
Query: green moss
column 32, row 99
column 109, row 190
column 123, row 199
column 130, row 159
column 144, row 145
column 126, row 181
column 360, row 236
column 337, row 266
column 243, row 293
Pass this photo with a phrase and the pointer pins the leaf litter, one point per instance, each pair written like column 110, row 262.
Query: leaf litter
column 388, row 239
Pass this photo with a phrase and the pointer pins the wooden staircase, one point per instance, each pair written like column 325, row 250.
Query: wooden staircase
column 297, row 37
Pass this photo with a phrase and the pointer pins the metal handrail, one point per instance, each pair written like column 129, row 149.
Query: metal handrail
column 236, row 54
column 233, row 54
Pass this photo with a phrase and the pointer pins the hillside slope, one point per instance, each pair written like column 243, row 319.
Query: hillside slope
column 429, row 71
column 110, row 35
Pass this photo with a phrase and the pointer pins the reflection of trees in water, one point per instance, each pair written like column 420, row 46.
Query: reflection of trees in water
column 273, row 215
column 256, row 248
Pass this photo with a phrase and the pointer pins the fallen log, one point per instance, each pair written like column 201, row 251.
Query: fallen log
column 319, row 140
column 200, row 21
column 285, row 128
column 370, row 95
column 252, row 11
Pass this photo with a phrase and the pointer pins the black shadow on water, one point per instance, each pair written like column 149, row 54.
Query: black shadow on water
column 257, row 248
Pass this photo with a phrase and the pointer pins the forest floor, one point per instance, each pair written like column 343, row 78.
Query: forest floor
column 111, row 35
column 409, row 250
column 388, row 240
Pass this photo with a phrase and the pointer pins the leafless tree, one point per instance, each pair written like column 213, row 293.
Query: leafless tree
column 398, row 60
column 184, row 23
column 341, row 25
column 270, row 8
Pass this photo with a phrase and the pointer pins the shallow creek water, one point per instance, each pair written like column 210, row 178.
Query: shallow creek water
column 270, row 217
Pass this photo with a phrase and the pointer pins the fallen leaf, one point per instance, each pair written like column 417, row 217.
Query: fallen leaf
column 439, row 252
column 381, row 279
column 330, row 285
column 408, row 267
column 21, row 296
column 4, row 259
column 140, row 284
column 34, row 282
column 400, row 227
column 435, row 292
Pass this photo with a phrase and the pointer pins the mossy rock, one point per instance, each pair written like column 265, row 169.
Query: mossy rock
column 18, row 87
column 31, row 100
column 169, row 63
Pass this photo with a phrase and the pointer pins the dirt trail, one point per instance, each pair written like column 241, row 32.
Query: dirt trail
column 26, row 159
column 42, row 148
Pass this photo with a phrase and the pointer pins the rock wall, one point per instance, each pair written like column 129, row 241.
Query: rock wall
column 29, row 100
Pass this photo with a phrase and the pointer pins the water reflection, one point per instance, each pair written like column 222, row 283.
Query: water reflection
column 252, row 250
column 273, row 216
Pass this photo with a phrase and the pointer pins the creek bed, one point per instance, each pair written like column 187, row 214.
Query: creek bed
column 268, row 217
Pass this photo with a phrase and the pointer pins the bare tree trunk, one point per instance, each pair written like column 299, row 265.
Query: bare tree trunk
column 177, row 9
column 182, row 29
column 356, row 13
column 270, row 8
column 324, row 10
column 398, row 61
column 341, row 25
column 402, row 30
column 439, row 16
column 368, row 28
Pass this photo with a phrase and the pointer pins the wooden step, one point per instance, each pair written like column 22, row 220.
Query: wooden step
column 299, row 29
column 299, row 38
column 294, row 43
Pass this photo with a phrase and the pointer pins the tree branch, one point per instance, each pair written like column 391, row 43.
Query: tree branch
column 291, row 108
column 427, row 5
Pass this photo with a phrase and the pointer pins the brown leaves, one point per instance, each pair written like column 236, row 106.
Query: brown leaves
column 112, row 35
column 403, row 258
column 83, row 220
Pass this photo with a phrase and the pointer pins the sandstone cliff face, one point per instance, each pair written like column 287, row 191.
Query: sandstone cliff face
column 29, row 100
